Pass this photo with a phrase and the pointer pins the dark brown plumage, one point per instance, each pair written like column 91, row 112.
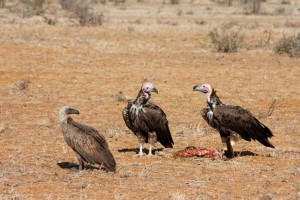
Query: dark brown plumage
column 146, row 120
column 232, row 122
column 89, row 145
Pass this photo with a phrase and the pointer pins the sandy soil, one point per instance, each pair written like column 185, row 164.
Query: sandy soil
column 43, row 68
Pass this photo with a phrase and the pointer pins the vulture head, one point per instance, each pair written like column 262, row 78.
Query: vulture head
column 148, row 87
column 66, row 110
column 205, row 88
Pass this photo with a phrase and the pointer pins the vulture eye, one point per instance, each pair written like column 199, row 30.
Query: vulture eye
column 147, row 88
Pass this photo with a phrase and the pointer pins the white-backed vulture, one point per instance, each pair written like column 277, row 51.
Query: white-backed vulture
column 232, row 122
column 89, row 145
column 147, row 121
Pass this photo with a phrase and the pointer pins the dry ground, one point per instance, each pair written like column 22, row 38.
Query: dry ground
column 87, row 67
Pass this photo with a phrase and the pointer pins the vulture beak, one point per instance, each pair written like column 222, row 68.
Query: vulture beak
column 72, row 111
column 155, row 90
column 196, row 88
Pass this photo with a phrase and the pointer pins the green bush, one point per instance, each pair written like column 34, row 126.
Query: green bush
column 226, row 40
column 289, row 45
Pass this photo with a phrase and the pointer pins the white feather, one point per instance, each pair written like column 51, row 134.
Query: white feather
column 210, row 115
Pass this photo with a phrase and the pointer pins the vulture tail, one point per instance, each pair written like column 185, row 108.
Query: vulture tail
column 266, row 133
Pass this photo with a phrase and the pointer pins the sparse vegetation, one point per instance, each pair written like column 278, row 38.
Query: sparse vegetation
column 252, row 6
column 83, row 11
column 68, row 4
column 32, row 7
column 289, row 45
column 226, row 40
column 87, row 17
column 174, row 1
column 2, row 3
column 23, row 85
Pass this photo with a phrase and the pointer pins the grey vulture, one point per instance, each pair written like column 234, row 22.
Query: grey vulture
column 232, row 122
column 147, row 121
column 89, row 145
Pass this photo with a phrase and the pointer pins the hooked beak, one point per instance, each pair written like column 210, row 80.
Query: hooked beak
column 72, row 111
column 196, row 88
column 155, row 90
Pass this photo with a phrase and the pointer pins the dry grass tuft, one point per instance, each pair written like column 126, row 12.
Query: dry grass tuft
column 23, row 85
column 87, row 17
column 289, row 45
column 32, row 7
column 83, row 11
column 226, row 41
column 178, row 196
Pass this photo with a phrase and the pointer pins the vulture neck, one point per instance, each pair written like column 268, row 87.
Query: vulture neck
column 64, row 118
column 213, row 100
column 142, row 98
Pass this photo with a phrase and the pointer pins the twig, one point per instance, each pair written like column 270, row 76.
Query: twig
column 270, row 111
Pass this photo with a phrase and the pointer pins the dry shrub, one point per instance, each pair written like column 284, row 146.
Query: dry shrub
column 117, row 2
column 289, row 45
column 83, row 11
column 2, row 3
column 172, row 2
column 23, row 85
column 98, row 1
column 226, row 40
column 68, row 4
column 87, row 17
column 252, row 6
column 32, row 7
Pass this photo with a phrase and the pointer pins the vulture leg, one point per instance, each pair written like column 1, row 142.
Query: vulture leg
column 152, row 138
column 141, row 139
column 229, row 152
column 81, row 163
column 224, row 145
column 224, row 137
column 141, row 150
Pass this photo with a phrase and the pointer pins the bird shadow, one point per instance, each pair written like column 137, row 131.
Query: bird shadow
column 244, row 153
column 136, row 150
column 73, row 166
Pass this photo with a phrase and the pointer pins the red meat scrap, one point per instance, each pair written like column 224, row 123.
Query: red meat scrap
column 191, row 151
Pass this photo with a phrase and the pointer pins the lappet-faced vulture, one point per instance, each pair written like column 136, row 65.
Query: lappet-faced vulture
column 89, row 145
column 147, row 121
column 232, row 122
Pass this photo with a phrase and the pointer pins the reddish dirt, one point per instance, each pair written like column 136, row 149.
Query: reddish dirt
column 87, row 67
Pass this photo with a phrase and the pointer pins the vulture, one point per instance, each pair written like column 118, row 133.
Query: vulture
column 147, row 121
column 232, row 122
column 89, row 145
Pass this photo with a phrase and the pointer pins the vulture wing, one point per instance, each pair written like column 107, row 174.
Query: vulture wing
column 90, row 145
column 156, row 120
column 125, row 114
column 242, row 122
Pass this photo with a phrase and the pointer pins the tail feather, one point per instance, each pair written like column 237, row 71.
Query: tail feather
column 266, row 133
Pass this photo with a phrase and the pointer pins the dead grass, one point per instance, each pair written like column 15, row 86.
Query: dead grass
column 226, row 40
column 289, row 45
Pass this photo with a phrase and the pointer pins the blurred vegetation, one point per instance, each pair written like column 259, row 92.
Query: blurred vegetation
column 226, row 40
column 289, row 45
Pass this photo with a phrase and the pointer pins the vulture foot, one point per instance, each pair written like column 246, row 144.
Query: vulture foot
column 228, row 154
column 140, row 154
